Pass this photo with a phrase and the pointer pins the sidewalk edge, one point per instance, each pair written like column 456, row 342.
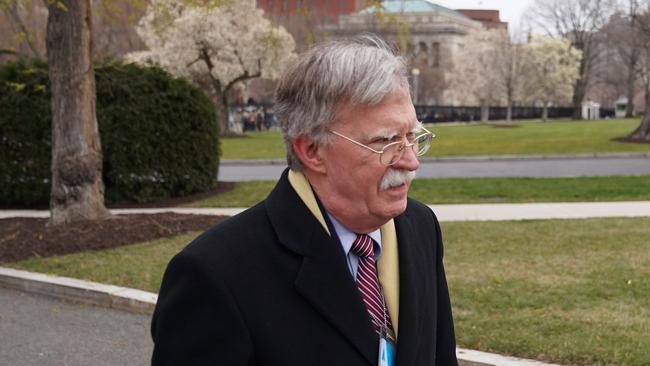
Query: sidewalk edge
column 469, row 357
column 71, row 289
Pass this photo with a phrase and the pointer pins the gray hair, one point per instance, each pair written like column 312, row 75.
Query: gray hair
column 360, row 71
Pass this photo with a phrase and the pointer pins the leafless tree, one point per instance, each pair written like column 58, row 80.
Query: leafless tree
column 624, row 38
column 114, row 23
column 580, row 21
column 510, row 71
column 641, row 22
column 489, row 72
column 22, row 25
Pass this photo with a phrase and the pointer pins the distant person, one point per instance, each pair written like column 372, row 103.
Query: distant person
column 269, row 119
column 259, row 120
column 294, row 280
column 249, row 121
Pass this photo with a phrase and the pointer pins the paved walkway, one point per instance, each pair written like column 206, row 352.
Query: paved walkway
column 477, row 166
column 38, row 330
column 459, row 212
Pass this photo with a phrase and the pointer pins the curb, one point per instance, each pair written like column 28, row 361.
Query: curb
column 142, row 302
column 71, row 289
column 477, row 158
column 468, row 357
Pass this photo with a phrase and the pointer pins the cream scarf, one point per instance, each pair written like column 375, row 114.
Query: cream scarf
column 388, row 265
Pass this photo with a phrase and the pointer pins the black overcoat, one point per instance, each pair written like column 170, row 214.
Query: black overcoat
column 270, row 287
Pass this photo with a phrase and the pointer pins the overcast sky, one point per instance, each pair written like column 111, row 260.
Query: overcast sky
column 510, row 10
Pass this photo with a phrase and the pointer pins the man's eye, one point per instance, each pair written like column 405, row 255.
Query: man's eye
column 381, row 140
column 397, row 138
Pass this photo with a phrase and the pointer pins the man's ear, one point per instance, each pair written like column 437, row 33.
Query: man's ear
column 309, row 153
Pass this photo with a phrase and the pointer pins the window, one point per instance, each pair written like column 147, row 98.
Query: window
column 436, row 54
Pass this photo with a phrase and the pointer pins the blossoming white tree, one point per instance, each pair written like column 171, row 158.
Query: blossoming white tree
column 217, row 46
column 552, row 68
column 485, row 70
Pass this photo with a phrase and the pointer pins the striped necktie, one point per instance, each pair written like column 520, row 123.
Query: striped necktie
column 368, row 284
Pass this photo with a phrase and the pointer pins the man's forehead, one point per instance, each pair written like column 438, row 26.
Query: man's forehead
column 386, row 131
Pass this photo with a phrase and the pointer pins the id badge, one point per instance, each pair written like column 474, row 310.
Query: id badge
column 386, row 352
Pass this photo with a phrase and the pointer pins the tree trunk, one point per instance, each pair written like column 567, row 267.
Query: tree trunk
column 545, row 112
column 485, row 111
column 579, row 91
column 224, row 115
column 631, row 78
column 642, row 133
column 509, row 108
column 77, row 187
column 221, row 104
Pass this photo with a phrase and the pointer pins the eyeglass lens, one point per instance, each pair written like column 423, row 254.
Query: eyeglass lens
column 394, row 152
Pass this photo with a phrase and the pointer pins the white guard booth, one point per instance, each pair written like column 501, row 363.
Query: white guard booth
column 620, row 107
column 590, row 110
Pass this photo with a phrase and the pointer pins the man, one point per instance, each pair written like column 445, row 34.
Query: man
column 293, row 280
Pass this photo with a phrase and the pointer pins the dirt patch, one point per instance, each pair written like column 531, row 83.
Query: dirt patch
column 629, row 140
column 21, row 238
column 504, row 125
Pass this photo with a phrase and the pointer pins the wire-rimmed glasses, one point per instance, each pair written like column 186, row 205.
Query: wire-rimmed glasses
column 393, row 152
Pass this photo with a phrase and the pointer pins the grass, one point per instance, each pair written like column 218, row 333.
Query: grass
column 138, row 266
column 530, row 137
column 566, row 291
column 478, row 190
column 244, row 194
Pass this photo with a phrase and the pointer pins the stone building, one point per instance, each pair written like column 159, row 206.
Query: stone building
column 428, row 34
column 304, row 18
column 489, row 18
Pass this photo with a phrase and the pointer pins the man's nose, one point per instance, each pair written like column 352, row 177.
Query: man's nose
column 409, row 160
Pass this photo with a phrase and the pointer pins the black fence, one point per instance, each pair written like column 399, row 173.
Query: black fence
column 434, row 114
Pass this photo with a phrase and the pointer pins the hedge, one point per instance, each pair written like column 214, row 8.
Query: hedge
column 159, row 134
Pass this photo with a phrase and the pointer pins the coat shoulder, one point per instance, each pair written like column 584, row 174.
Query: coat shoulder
column 419, row 209
column 231, row 237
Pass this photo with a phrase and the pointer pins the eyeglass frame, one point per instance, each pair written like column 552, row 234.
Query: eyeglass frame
column 383, row 150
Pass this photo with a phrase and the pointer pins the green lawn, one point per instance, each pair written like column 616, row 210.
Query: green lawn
column 530, row 137
column 478, row 190
column 566, row 291
column 138, row 266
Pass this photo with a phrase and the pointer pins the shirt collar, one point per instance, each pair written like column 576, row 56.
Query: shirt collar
column 347, row 237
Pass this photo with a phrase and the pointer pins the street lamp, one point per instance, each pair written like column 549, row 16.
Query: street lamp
column 415, row 72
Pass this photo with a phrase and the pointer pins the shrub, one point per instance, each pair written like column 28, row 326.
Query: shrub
column 159, row 134
column 25, row 134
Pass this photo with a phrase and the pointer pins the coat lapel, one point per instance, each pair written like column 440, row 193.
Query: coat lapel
column 412, row 301
column 324, row 279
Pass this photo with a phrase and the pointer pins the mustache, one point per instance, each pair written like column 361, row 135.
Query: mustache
column 396, row 177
